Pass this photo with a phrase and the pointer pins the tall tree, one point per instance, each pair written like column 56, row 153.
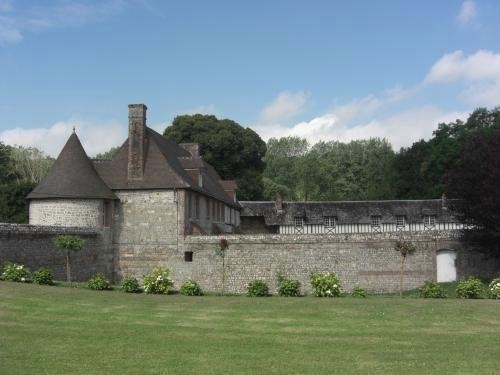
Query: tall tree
column 422, row 168
column 475, row 181
column 234, row 151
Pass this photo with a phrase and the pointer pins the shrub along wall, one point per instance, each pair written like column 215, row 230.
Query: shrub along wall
column 32, row 246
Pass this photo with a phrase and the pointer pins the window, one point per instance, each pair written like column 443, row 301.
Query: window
column 375, row 220
column 207, row 208
column 400, row 220
column 330, row 221
column 197, row 206
column 107, row 214
column 188, row 256
column 298, row 221
column 430, row 220
column 214, row 218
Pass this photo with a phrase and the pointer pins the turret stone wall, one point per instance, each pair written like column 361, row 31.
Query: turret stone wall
column 65, row 212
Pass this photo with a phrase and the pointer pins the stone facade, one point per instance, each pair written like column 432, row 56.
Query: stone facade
column 32, row 246
column 66, row 212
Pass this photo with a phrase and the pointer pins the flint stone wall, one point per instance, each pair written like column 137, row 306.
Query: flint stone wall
column 65, row 212
column 32, row 246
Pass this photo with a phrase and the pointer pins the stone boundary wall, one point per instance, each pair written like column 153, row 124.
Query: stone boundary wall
column 32, row 246
column 366, row 260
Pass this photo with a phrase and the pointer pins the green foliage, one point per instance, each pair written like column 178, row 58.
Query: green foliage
column 235, row 152
column 470, row 288
column 20, row 170
column 422, row 169
column 258, row 288
column 15, row 272
column 333, row 170
column 158, row 281
column 325, row 285
column 108, row 155
column 98, row 282
column 288, row 287
column 68, row 242
column 494, row 288
column 405, row 248
column 43, row 276
column 358, row 292
column 130, row 284
column 190, row 288
column 431, row 289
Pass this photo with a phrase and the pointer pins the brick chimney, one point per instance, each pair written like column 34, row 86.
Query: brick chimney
column 136, row 140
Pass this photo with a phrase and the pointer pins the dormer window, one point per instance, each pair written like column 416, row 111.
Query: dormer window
column 430, row 220
column 376, row 220
column 330, row 221
column 400, row 220
column 298, row 221
column 200, row 179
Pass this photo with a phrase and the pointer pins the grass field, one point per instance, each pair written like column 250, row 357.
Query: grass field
column 56, row 330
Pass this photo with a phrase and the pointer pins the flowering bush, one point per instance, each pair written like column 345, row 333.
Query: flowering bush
column 470, row 288
column 190, row 288
column 98, row 282
column 325, row 285
column 288, row 287
column 494, row 289
column 431, row 289
column 258, row 288
column 130, row 284
column 358, row 292
column 43, row 276
column 15, row 272
column 158, row 281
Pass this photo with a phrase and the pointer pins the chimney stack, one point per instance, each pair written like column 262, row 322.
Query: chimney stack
column 136, row 140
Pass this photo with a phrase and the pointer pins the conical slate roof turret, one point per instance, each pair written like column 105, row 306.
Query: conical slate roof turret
column 72, row 176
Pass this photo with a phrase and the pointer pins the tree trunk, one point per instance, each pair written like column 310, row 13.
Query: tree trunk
column 401, row 277
column 68, row 270
column 223, row 275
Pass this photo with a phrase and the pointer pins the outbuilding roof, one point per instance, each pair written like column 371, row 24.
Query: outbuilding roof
column 72, row 176
column 347, row 211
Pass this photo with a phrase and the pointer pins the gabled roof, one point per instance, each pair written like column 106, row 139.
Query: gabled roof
column 166, row 166
column 72, row 176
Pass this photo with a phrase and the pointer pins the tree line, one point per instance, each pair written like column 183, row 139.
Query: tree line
column 460, row 160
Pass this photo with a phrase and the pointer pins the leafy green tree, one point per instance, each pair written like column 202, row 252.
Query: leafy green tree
column 29, row 164
column 107, row 155
column 475, row 181
column 422, row 169
column 234, row 151
column 69, row 244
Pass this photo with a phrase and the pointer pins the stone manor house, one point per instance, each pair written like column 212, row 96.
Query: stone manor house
column 156, row 203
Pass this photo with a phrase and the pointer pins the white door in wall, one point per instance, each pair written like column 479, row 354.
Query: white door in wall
column 446, row 268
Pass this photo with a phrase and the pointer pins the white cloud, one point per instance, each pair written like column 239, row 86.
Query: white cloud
column 284, row 107
column 94, row 137
column 468, row 13
column 479, row 72
column 401, row 129
column 64, row 14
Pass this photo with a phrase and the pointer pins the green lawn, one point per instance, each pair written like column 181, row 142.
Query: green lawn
column 58, row 330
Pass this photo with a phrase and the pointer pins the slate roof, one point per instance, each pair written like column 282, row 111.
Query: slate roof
column 72, row 176
column 166, row 166
column 347, row 211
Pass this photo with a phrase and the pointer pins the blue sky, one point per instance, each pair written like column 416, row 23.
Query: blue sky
column 318, row 69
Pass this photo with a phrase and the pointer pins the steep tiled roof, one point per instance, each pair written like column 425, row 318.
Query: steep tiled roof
column 166, row 166
column 347, row 211
column 72, row 176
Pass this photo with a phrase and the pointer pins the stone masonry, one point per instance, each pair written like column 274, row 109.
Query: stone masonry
column 66, row 212
column 32, row 246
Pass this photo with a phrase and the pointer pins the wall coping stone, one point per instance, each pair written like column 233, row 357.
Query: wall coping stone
column 11, row 229
column 325, row 238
